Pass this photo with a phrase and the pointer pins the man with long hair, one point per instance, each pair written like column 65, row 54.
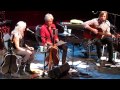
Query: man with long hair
column 101, row 24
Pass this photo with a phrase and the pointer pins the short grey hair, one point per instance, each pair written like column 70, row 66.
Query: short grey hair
column 48, row 17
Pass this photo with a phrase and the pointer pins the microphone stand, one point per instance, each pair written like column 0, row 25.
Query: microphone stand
column 37, row 34
column 115, row 15
column 116, row 37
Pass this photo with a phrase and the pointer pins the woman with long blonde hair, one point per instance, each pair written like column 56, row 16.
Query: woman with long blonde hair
column 21, row 48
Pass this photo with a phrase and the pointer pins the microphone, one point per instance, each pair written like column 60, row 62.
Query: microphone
column 94, row 12
column 30, row 30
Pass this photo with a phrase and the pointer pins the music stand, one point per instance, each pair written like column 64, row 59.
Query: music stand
column 75, row 66
column 73, row 48
column 73, row 26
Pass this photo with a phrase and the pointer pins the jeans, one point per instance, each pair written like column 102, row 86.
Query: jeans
column 108, row 41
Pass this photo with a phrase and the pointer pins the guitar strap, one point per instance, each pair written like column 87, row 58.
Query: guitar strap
column 51, row 37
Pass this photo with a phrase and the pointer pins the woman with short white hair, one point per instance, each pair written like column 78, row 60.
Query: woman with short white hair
column 49, row 30
column 21, row 48
column 48, row 17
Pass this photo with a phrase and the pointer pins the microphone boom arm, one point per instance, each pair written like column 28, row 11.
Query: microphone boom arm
column 35, row 33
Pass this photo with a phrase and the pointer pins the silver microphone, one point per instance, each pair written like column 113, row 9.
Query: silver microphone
column 30, row 30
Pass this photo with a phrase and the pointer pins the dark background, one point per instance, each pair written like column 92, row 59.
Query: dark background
column 33, row 11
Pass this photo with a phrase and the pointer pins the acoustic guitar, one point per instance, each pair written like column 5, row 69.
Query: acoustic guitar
column 9, row 64
column 94, row 37
column 53, row 57
column 90, row 35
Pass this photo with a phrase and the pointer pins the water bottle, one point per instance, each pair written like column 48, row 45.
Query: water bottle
column 65, row 29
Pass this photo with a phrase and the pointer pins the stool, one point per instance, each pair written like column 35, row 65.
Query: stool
column 115, row 54
column 90, row 46
column 103, row 51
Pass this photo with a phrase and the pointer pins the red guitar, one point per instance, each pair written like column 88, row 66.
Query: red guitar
column 53, row 57
column 90, row 35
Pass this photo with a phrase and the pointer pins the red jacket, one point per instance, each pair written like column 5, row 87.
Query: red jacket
column 45, row 33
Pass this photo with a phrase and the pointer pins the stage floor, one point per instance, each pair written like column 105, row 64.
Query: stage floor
column 83, row 67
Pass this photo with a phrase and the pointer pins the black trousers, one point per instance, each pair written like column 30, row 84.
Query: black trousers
column 109, row 42
column 64, row 54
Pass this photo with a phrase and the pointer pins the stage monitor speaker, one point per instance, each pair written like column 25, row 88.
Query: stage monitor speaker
column 59, row 71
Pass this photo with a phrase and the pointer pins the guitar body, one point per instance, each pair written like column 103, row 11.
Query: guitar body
column 90, row 35
column 87, row 34
column 9, row 64
column 53, row 56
